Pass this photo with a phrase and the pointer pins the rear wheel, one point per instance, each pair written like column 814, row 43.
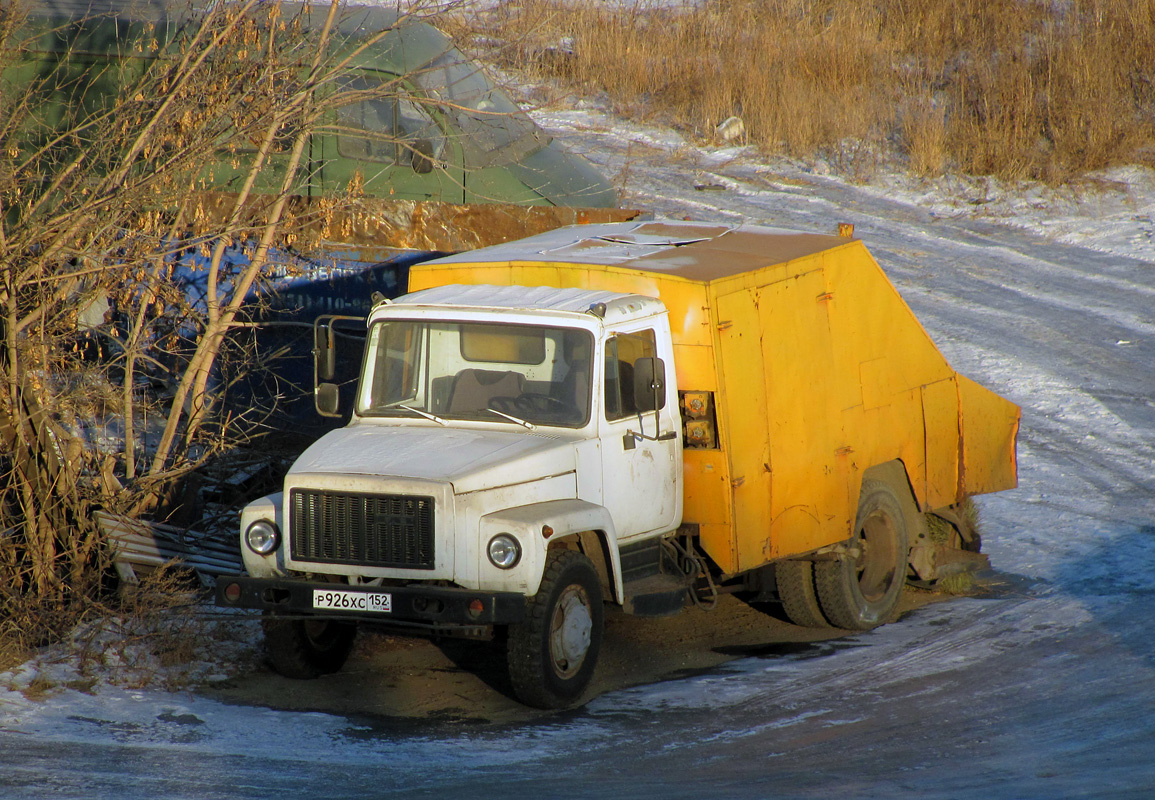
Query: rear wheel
column 796, row 590
column 552, row 654
column 861, row 591
column 307, row 648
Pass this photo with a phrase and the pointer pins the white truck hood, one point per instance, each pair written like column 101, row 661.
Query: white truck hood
column 471, row 460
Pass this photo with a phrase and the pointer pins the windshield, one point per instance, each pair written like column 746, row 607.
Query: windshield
column 383, row 123
column 492, row 122
column 492, row 372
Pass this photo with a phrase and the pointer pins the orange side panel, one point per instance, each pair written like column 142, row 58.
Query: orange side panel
column 695, row 368
column 940, row 414
column 809, row 486
column 990, row 428
column 706, row 501
column 881, row 348
column 884, row 358
column 744, row 426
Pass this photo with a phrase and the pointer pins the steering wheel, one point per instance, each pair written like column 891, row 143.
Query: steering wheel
column 529, row 404
column 534, row 403
column 507, row 405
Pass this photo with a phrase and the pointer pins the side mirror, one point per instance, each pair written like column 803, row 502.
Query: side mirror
column 324, row 353
column 327, row 400
column 649, row 384
column 326, row 397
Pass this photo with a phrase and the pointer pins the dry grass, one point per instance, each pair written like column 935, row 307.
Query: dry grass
column 135, row 635
column 28, row 622
column 961, row 583
column 1013, row 88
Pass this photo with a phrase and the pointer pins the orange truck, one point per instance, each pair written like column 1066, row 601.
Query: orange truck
column 630, row 413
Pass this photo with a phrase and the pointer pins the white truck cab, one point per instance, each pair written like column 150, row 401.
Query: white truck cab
column 491, row 423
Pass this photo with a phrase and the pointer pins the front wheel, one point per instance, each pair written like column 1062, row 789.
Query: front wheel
column 551, row 654
column 861, row 591
column 307, row 648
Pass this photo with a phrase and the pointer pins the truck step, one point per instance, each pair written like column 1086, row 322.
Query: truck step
column 660, row 595
column 641, row 560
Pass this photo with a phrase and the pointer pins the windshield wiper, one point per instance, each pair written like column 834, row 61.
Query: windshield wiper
column 512, row 418
column 421, row 413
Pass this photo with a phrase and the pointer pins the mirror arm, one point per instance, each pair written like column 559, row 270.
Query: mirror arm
column 631, row 438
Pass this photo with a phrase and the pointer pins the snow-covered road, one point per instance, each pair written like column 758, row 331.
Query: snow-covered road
column 1042, row 688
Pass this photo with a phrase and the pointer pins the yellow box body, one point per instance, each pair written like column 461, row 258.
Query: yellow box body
column 818, row 368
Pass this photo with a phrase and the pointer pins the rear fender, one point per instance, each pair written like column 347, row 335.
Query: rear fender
column 894, row 474
column 930, row 559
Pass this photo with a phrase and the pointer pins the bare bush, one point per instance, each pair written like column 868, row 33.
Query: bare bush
column 110, row 371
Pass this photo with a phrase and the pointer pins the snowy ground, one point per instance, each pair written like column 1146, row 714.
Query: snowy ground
column 1042, row 688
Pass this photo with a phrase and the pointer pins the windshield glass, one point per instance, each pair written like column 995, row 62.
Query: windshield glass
column 380, row 122
column 491, row 121
column 492, row 372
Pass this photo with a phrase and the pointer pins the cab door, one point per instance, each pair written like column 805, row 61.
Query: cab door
column 641, row 450
column 388, row 141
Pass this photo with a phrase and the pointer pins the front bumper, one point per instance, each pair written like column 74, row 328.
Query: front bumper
column 422, row 606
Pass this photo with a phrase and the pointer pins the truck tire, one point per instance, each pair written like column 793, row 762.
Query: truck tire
column 796, row 590
column 860, row 593
column 300, row 648
column 551, row 655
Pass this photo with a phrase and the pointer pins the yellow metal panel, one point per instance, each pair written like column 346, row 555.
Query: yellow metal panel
column 990, row 427
column 908, row 418
column 718, row 540
column 882, row 349
column 889, row 432
column 940, row 411
column 426, row 278
column 706, row 501
column 743, row 422
column 771, row 273
column 695, row 368
column 809, row 494
column 593, row 276
column 875, row 386
column 690, row 321
column 884, row 358
column 707, row 486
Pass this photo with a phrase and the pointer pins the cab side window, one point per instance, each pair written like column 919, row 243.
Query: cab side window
column 622, row 351
column 384, row 124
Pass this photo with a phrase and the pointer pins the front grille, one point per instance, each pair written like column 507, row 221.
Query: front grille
column 366, row 530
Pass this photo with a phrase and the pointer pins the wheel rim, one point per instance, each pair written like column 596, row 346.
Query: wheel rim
column 878, row 554
column 319, row 633
column 570, row 632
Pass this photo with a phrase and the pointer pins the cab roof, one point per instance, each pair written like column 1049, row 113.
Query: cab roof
column 610, row 306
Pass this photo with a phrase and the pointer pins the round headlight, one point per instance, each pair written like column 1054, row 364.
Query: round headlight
column 504, row 551
column 262, row 537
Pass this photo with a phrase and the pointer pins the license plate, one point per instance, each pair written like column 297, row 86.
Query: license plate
column 341, row 600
